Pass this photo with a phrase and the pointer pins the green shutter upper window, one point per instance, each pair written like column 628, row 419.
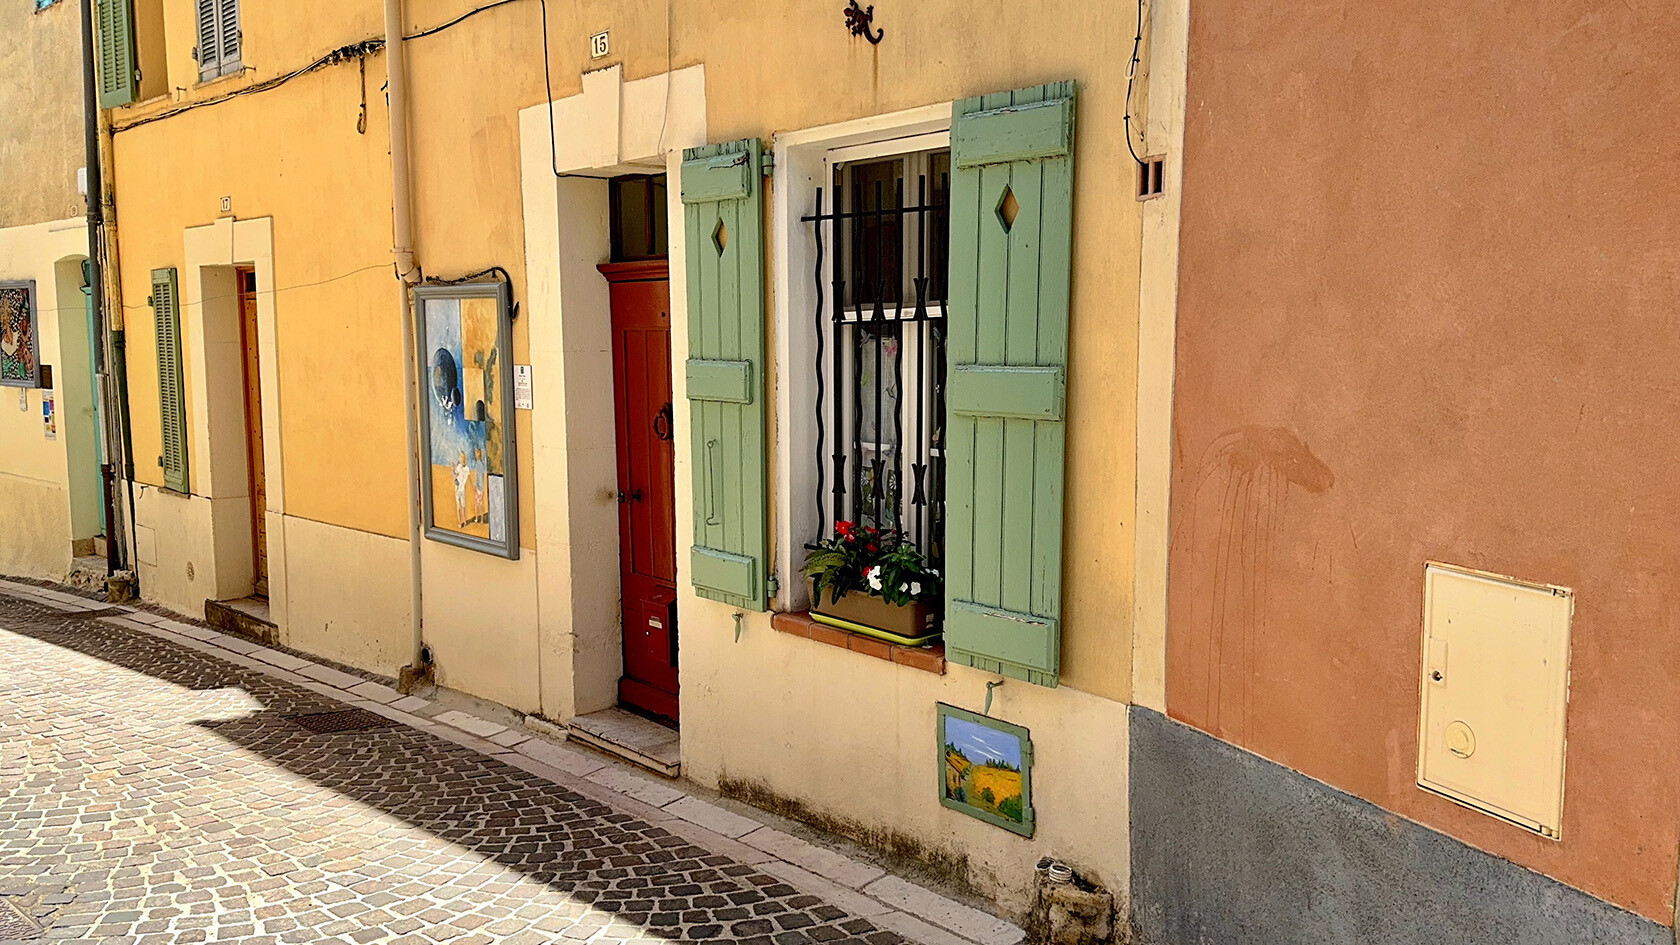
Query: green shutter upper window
column 117, row 79
column 1011, row 255
column 723, row 207
column 172, row 401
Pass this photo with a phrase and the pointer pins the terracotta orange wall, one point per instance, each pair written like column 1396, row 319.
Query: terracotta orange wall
column 1430, row 271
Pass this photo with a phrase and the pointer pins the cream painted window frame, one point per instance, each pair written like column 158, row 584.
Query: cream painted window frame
column 802, row 164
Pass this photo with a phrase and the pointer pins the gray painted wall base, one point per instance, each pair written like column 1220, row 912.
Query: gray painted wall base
column 1231, row 849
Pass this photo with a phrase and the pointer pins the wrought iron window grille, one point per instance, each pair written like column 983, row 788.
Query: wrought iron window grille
column 881, row 278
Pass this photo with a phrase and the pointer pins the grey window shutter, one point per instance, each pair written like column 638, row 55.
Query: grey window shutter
column 209, row 39
column 228, row 24
column 172, row 400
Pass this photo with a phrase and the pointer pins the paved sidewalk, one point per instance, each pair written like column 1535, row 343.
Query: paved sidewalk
column 153, row 788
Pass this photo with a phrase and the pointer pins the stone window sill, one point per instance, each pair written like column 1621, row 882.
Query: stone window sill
column 929, row 659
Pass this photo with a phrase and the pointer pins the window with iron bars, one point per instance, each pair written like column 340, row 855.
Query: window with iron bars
column 882, row 228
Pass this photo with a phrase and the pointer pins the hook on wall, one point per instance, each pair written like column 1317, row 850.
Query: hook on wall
column 990, row 688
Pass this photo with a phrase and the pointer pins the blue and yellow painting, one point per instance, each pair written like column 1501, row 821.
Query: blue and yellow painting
column 464, row 376
column 983, row 768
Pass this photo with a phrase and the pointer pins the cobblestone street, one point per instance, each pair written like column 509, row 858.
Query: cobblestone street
column 150, row 792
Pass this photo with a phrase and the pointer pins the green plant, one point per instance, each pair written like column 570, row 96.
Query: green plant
column 871, row 560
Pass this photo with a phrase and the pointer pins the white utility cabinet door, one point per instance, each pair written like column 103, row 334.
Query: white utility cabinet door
column 1494, row 691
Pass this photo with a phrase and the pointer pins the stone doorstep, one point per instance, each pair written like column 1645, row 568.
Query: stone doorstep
column 642, row 742
column 246, row 617
column 865, row 890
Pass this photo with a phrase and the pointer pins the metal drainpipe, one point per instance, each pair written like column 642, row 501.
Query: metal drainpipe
column 96, row 295
column 110, row 350
column 403, row 250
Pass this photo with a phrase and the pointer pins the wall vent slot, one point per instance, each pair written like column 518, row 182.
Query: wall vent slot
column 1152, row 177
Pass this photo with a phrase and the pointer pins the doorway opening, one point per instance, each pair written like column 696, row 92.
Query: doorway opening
column 246, row 280
column 640, row 293
column 77, row 419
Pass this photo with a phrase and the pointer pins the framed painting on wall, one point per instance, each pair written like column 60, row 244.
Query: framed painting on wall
column 468, row 470
column 20, row 342
column 985, row 768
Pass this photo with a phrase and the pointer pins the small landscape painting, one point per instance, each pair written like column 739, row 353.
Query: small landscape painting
column 20, row 346
column 464, row 342
column 985, row 769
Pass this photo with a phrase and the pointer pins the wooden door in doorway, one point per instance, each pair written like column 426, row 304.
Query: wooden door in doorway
column 647, row 523
column 247, row 280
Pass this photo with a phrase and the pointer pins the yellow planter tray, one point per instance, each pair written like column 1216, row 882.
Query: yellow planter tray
column 875, row 632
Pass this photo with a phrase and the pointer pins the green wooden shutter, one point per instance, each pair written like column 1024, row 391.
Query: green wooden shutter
column 1011, row 254
column 172, row 400
column 723, row 208
column 117, row 81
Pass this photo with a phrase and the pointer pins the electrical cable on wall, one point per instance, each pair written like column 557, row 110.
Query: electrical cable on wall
column 463, row 17
column 356, row 50
column 1131, row 76
column 501, row 274
column 276, row 289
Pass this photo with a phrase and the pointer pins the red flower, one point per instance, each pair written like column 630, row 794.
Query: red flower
column 872, row 547
column 844, row 529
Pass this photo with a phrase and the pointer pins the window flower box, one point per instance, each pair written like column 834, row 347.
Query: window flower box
column 913, row 624
column 874, row 582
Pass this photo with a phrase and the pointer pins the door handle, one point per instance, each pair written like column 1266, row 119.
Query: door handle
column 1435, row 665
column 711, row 483
column 662, row 423
column 634, row 495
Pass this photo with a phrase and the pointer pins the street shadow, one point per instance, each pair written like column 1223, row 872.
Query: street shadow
column 408, row 814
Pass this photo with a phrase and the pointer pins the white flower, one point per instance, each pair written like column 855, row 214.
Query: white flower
column 903, row 587
column 933, row 571
column 915, row 588
column 874, row 575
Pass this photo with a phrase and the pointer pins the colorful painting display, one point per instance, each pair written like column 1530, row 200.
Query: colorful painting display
column 985, row 769
column 20, row 345
column 466, row 417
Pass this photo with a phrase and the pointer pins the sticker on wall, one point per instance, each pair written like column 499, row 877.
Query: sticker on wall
column 522, row 387
column 985, row 769
column 49, row 418
column 466, row 417
column 20, row 348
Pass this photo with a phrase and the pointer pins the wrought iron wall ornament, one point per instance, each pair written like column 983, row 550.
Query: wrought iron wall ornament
column 859, row 19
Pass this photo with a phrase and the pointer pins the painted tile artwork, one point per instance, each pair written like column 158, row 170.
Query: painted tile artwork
column 466, row 413
column 985, row 768
column 20, row 350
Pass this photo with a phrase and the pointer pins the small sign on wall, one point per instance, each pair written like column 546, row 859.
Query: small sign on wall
column 598, row 45
column 522, row 387
column 49, row 415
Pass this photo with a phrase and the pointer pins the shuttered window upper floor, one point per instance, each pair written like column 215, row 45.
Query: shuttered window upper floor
column 219, row 47
column 136, row 59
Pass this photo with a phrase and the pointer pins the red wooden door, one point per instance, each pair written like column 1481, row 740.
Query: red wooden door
column 254, row 430
column 647, row 522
